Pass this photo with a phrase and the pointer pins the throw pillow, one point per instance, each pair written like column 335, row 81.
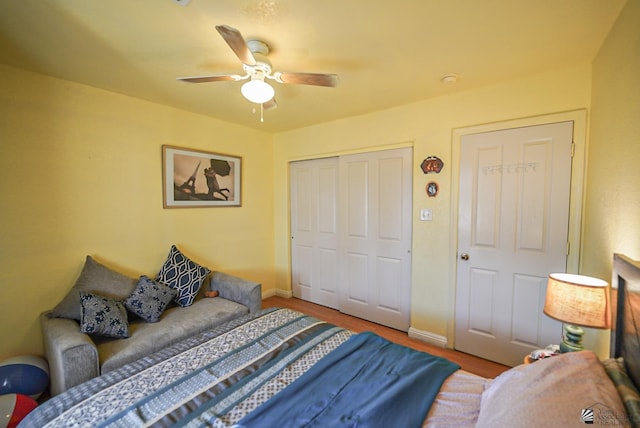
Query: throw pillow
column 94, row 278
column 103, row 316
column 628, row 393
column 149, row 299
column 554, row 392
column 183, row 274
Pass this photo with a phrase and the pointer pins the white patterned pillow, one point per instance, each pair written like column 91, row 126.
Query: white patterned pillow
column 149, row 299
column 183, row 274
column 103, row 316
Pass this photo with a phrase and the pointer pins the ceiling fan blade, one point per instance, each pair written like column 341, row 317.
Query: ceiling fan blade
column 237, row 44
column 214, row 78
column 315, row 79
column 270, row 104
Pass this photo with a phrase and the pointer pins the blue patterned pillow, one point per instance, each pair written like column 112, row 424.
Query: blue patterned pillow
column 149, row 299
column 103, row 316
column 184, row 275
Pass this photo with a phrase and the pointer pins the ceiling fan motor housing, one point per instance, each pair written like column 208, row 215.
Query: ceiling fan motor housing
column 260, row 50
column 258, row 47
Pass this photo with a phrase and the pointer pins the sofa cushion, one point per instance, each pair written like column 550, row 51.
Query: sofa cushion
column 177, row 323
column 149, row 299
column 183, row 274
column 98, row 279
column 103, row 316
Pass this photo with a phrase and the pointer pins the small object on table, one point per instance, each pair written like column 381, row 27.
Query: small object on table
column 539, row 354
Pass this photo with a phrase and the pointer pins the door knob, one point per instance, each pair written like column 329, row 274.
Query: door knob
column 464, row 256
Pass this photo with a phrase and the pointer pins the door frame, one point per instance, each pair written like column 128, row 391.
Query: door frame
column 576, row 202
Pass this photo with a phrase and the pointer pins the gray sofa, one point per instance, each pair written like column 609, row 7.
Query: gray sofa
column 75, row 357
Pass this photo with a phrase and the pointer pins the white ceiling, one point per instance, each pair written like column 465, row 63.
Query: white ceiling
column 386, row 53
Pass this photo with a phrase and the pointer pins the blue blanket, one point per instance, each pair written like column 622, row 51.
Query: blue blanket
column 366, row 382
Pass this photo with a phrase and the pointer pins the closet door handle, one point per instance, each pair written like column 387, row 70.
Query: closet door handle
column 464, row 256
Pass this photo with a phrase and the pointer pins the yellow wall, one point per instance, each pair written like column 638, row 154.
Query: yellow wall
column 429, row 126
column 612, row 210
column 81, row 173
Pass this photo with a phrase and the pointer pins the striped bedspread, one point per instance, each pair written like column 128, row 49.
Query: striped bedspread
column 213, row 379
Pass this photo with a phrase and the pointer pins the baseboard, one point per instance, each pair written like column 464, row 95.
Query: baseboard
column 277, row 292
column 430, row 338
column 287, row 294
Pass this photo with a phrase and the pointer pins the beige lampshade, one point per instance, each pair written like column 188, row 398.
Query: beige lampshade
column 578, row 300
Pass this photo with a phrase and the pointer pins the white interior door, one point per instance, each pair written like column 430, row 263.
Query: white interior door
column 512, row 232
column 375, row 236
column 314, row 262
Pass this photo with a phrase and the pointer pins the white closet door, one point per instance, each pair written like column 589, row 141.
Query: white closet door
column 375, row 236
column 314, row 264
column 513, row 227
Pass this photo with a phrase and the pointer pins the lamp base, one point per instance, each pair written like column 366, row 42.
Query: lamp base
column 572, row 340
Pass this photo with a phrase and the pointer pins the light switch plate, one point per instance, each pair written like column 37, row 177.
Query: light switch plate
column 426, row 214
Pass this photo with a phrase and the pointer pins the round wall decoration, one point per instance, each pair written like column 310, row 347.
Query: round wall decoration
column 432, row 189
column 432, row 164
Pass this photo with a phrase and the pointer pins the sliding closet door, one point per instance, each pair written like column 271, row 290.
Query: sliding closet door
column 351, row 234
column 375, row 236
column 314, row 260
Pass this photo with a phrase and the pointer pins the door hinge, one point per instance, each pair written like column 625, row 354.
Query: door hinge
column 573, row 149
column 568, row 247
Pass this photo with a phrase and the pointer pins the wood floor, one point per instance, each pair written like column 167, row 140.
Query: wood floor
column 468, row 362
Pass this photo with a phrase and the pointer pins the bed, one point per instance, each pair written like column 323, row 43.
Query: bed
column 283, row 368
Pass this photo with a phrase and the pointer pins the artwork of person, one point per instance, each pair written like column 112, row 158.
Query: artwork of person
column 212, row 184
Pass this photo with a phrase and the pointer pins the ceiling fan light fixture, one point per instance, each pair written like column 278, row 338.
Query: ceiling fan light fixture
column 257, row 91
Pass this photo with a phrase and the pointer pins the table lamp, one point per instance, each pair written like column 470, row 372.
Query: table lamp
column 578, row 301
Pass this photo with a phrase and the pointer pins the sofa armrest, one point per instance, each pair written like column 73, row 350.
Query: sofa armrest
column 238, row 290
column 72, row 355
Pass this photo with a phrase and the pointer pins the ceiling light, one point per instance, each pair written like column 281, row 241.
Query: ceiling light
column 257, row 91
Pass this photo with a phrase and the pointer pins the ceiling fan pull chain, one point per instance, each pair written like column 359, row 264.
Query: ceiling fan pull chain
column 261, row 113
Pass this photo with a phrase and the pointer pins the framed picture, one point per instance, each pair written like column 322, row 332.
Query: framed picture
column 432, row 189
column 194, row 178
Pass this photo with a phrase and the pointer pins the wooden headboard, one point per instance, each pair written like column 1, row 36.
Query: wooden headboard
column 625, row 302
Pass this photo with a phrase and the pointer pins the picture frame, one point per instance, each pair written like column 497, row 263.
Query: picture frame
column 197, row 178
column 432, row 189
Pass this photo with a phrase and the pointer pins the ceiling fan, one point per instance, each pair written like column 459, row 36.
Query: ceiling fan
column 253, row 55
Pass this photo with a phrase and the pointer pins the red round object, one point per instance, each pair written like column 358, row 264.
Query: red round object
column 14, row 407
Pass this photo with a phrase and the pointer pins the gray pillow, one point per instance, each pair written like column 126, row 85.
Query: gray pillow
column 103, row 316
column 149, row 299
column 95, row 278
